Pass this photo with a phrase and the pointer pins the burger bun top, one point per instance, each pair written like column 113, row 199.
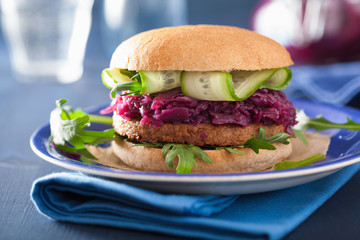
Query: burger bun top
column 200, row 48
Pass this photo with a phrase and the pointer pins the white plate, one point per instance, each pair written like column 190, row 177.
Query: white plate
column 344, row 150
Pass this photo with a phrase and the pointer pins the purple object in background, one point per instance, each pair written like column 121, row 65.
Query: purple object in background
column 323, row 37
column 314, row 31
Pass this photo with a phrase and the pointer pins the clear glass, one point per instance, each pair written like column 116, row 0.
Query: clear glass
column 47, row 39
column 122, row 19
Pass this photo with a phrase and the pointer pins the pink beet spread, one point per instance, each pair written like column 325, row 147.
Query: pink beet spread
column 264, row 106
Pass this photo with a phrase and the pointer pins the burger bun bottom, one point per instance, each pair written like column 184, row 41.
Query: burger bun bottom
column 150, row 160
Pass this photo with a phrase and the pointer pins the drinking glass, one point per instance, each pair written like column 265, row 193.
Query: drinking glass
column 46, row 39
column 122, row 19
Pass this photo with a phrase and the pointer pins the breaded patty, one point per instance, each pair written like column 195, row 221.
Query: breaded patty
column 200, row 135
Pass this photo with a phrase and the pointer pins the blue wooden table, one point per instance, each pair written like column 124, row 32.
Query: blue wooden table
column 23, row 108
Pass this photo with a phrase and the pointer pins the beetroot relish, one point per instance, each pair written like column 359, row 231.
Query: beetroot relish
column 265, row 105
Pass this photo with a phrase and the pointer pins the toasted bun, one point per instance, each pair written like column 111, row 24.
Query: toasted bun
column 200, row 48
column 150, row 159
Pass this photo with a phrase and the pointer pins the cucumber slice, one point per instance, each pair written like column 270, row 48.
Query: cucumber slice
column 212, row 86
column 112, row 76
column 158, row 81
column 280, row 79
column 247, row 82
column 237, row 86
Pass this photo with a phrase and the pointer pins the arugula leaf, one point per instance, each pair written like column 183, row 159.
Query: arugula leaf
column 320, row 123
column 186, row 155
column 165, row 150
column 198, row 152
column 68, row 150
column 185, row 152
column 277, row 137
column 231, row 149
column 169, row 156
column 137, row 77
column 68, row 133
column 128, row 73
column 147, row 144
column 100, row 119
column 186, row 158
column 302, row 163
column 132, row 87
column 256, row 144
column 105, row 140
column 263, row 142
column 299, row 134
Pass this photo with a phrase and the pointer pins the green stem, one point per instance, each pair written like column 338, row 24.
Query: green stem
column 100, row 119
column 328, row 125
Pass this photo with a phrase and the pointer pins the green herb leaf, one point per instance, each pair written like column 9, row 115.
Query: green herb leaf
column 187, row 156
column 302, row 163
column 320, row 123
column 148, row 144
column 100, row 119
column 198, row 152
column 105, row 140
column 132, row 87
column 136, row 76
column 169, row 156
column 263, row 142
column 186, row 159
column 256, row 144
column 128, row 73
column 66, row 149
column 68, row 133
column 231, row 149
column 165, row 150
column 299, row 134
column 277, row 137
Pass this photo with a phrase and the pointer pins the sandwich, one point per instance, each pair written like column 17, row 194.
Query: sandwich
column 200, row 99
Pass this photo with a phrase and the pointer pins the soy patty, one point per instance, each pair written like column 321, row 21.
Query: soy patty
column 200, row 135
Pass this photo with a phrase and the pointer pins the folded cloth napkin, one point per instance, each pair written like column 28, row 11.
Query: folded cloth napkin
column 335, row 83
column 83, row 199
column 66, row 196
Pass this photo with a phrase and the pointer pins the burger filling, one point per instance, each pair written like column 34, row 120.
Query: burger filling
column 265, row 106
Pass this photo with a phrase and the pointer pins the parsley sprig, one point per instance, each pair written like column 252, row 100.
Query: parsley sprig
column 69, row 134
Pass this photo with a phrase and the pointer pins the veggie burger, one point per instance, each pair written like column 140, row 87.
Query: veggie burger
column 200, row 98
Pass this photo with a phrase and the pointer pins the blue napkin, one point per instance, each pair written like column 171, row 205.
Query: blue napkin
column 83, row 199
column 66, row 196
column 335, row 83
